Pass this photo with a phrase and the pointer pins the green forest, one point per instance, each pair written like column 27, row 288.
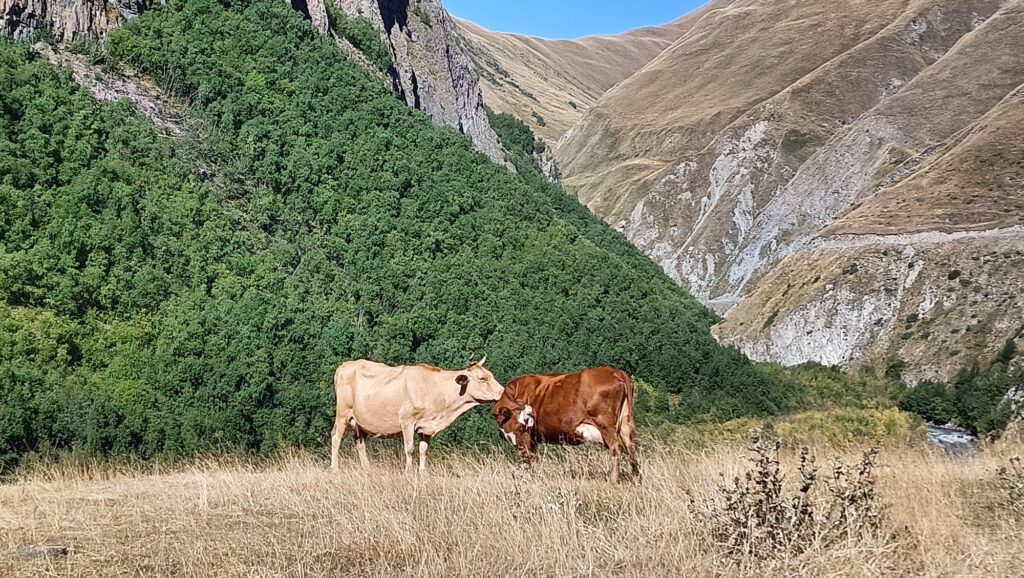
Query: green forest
column 975, row 399
column 167, row 296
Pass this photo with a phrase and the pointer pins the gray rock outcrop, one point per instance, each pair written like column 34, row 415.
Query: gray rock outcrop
column 431, row 73
column 68, row 19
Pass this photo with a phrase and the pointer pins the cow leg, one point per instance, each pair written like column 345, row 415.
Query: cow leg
column 409, row 440
column 337, row 434
column 361, row 447
column 628, row 438
column 634, row 459
column 611, row 441
column 424, row 443
column 613, row 476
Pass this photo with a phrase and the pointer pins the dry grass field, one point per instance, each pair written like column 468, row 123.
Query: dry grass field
column 477, row 515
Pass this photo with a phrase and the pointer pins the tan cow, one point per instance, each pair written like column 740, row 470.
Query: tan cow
column 386, row 402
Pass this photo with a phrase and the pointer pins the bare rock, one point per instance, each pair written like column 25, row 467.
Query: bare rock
column 68, row 19
column 431, row 72
column 111, row 88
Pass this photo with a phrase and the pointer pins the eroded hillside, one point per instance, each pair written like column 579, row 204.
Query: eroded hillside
column 870, row 148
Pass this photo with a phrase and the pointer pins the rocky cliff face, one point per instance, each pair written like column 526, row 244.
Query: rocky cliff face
column 816, row 171
column 430, row 72
column 68, row 19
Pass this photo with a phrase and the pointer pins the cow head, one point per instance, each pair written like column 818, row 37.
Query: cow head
column 478, row 383
column 516, row 422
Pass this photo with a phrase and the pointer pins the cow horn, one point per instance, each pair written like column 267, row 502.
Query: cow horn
column 483, row 359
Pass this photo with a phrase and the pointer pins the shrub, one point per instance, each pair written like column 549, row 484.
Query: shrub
column 1008, row 352
column 513, row 133
column 930, row 400
column 846, row 426
column 1011, row 480
column 422, row 15
column 894, row 371
column 798, row 144
column 824, row 388
column 755, row 517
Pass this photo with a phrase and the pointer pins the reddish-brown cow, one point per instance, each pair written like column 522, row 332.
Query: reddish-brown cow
column 594, row 405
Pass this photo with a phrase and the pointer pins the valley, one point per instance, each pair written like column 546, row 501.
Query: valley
column 797, row 228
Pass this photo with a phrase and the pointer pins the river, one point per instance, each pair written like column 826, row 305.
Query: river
column 952, row 439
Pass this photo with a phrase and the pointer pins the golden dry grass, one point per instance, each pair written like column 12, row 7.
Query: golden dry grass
column 525, row 74
column 477, row 515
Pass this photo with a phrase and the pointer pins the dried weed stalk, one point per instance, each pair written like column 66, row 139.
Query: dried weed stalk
column 754, row 517
column 1011, row 479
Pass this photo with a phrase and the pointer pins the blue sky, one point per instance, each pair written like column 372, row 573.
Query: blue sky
column 568, row 18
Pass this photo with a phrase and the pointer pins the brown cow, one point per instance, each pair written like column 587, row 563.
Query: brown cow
column 594, row 405
column 385, row 402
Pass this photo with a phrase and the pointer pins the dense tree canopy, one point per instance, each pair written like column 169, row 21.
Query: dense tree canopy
column 976, row 399
column 514, row 134
column 176, row 295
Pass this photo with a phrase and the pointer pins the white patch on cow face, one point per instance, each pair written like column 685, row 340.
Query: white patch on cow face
column 510, row 436
column 590, row 433
column 526, row 416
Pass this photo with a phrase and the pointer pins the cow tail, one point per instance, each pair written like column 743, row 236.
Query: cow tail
column 337, row 381
column 625, row 425
column 336, row 384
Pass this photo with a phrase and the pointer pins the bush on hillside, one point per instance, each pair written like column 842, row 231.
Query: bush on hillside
column 513, row 133
column 824, row 388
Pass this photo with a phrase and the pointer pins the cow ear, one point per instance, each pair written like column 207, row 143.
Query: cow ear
column 463, row 382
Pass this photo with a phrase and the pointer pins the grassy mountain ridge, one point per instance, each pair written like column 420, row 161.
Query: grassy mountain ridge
column 549, row 84
column 169, row 296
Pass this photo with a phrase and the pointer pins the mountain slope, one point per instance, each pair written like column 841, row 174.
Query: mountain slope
column 559, row 80
column 68, row 21
column 933, row 264
column 425, row 68
column 174, row 295
column 768, row 120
